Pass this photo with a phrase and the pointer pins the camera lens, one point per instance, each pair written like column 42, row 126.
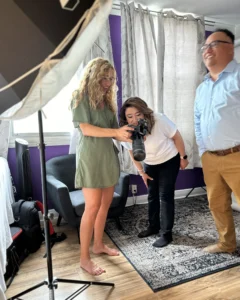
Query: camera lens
column 139, row 154
column 138, row 147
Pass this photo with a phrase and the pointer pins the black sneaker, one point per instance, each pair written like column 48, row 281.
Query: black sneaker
column 149, row 231
column 164, row 240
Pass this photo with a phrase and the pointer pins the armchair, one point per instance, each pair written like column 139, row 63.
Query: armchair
column 68, row 201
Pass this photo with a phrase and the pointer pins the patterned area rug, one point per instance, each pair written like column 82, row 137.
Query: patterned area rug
column 181, row 261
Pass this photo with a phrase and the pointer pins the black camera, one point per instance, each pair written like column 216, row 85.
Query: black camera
column 138, row 134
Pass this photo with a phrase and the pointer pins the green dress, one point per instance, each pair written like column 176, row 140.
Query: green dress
column 97, row 163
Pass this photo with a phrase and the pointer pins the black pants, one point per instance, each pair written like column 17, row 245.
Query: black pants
column 161, row 194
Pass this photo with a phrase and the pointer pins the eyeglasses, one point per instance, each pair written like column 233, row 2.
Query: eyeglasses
column 213, row 44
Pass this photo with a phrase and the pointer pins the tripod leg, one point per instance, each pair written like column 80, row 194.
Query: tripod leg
column 190, row 192
column 85, row 282
column 79, row 291
column 28, row 290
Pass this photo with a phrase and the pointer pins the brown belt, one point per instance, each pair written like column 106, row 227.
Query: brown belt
column 226, row 151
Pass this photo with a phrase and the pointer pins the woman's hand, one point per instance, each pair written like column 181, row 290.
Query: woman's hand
column 145, row 178
column 124, row 134
column 183, row 163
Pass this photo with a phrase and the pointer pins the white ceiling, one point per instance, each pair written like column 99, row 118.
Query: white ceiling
column 223, row 11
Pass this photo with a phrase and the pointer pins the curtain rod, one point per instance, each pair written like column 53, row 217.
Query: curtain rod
column 154, row 11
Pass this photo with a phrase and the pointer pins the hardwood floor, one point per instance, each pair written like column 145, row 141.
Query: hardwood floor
column 128, row 283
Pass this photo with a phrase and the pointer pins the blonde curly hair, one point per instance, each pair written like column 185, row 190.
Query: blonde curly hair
column 94, row 72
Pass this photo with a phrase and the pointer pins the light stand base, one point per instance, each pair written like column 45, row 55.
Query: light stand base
column 54, row 285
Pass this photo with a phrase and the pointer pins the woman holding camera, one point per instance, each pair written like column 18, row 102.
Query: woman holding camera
column 97, row 171
column 165, row 154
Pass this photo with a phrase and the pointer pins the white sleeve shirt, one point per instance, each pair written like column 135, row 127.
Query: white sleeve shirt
column 159, row 145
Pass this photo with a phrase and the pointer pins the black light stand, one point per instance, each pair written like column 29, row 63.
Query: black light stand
column 51, row 281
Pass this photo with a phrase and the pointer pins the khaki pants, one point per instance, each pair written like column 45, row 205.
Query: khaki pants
column 222, row 177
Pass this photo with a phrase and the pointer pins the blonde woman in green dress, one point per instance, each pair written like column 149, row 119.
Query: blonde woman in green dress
column 97, row 170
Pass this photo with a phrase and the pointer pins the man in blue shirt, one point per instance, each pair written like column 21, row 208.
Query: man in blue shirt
column 217, row 129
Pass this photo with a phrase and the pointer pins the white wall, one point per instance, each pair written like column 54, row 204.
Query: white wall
column 237, row 31
column 237, row 53
column 237, row 42
column 216, row 25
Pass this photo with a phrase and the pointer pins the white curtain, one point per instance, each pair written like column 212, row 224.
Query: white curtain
column 101, row 48
column 4, row 138
column 142, row 61
column 142, row 54
column 183, row 72
column 162, row 64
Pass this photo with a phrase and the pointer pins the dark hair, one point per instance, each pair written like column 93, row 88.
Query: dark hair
column 141, row 105
column 227, row 32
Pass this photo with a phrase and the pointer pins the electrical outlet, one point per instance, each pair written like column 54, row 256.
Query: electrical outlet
column 134, row 189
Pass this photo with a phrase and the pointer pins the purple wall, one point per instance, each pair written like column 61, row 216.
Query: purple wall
column 115, row 32
column 186, row 179
column 207, row 33
column 51, row 151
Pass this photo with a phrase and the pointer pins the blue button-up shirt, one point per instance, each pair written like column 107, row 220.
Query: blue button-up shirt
column 217, row 110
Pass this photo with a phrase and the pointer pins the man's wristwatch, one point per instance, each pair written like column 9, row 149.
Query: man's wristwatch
column 184, row 157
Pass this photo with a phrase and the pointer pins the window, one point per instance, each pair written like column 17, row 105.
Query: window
column 57, row 120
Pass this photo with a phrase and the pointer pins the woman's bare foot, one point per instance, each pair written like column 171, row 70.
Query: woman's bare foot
column 105, row 249
column 91, row 267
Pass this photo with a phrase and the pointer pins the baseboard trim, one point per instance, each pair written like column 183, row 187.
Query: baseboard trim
column 235, row 205
column 179, row 194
